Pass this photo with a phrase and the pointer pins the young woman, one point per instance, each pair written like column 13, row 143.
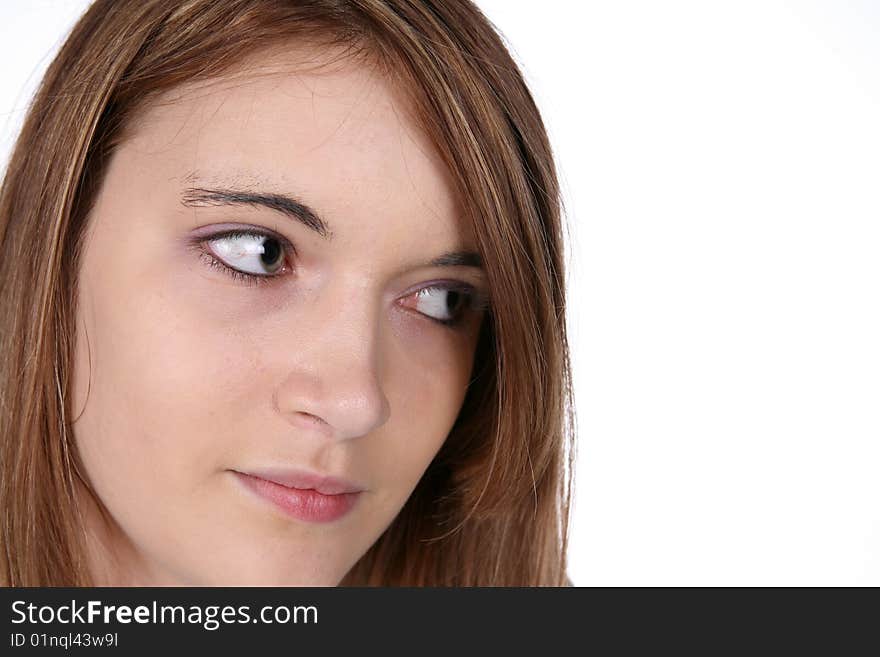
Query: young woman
column 283, row 304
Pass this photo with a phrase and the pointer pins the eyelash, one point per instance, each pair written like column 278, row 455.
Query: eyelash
column 475, row 300
column 252, row 280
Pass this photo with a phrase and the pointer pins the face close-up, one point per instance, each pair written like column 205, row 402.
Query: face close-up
column 209, row 406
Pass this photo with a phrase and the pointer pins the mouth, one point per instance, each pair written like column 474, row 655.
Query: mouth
column 303, row 495
column 304, row 480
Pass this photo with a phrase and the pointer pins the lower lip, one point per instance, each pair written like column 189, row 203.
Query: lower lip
column 308, row 505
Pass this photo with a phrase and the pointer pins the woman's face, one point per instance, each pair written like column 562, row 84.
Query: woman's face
column 204, row 397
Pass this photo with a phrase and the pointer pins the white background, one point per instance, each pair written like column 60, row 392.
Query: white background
column 721, row 164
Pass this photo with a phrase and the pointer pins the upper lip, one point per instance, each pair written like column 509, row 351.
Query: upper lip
column 304, row 480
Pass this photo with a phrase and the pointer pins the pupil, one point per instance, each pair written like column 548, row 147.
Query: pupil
column 453, row 299
column 271, row 251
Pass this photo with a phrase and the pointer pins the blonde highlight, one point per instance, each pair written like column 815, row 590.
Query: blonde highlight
column 493, row 508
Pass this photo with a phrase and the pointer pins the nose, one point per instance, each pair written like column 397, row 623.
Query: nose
column 334, row 383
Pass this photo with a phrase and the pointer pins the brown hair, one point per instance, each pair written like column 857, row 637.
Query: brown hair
column 493, row 507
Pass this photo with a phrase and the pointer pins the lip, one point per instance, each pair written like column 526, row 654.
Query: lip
column 304, row 480
column 303, row 495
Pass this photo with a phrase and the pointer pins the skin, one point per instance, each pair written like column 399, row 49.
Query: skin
column 184, row 374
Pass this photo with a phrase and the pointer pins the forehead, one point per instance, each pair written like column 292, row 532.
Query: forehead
column 331, row 130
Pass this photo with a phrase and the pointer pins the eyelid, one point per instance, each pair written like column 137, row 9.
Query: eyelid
column 200, row 240
column 246, row 231
column 478, row 297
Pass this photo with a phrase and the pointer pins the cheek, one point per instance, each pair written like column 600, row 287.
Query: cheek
column 431, row 373
column 151, row 382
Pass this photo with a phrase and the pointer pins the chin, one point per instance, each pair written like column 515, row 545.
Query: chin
column 265, row 575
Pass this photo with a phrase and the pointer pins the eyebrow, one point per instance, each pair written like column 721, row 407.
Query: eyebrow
column 287, row 205
column 299, row 211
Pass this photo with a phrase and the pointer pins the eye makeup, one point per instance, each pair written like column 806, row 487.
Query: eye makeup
column 464, row 297
column 272, row 249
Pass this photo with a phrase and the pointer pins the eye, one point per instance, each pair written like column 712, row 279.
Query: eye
column 445, row 304
column 257, row 258
column 247, row 255
column 250, row 253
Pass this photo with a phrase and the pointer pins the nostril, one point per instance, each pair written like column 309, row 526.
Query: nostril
column 310, row 424
column 309, row 418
